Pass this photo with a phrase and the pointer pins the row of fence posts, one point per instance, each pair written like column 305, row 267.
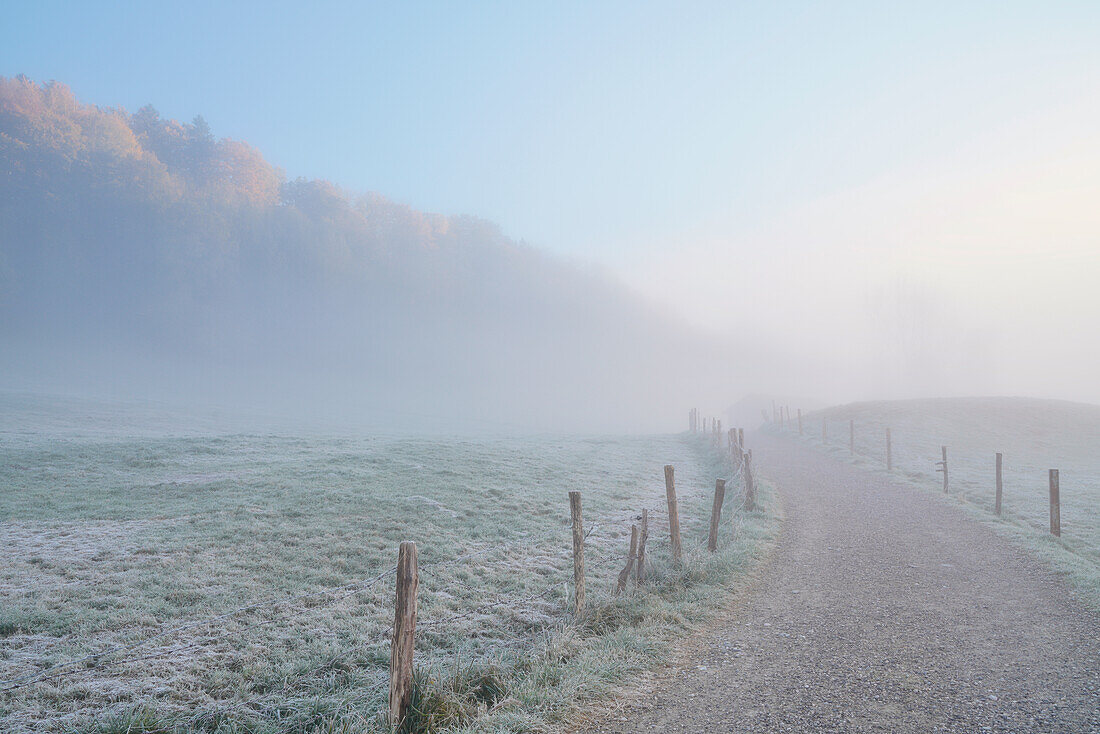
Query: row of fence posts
column 941, row 466
column 402, row 642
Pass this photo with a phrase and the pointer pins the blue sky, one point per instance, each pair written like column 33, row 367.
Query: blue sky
column 691, row 148
column 576, row 126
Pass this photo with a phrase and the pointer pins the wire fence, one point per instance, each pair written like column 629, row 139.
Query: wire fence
column 1023, row 492
column 536, row 607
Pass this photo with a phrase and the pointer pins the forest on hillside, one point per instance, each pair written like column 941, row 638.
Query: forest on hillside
column 148, row 251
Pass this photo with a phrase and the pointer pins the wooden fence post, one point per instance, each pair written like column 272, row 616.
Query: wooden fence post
column 643, row 536
column 631, row 557
column 741, row 438
column 1055, row 505
column 944, row 464
column 800, row 421
column 997, row 500
column 750, row 484
column 673, row 515
column 889, row 452
column 851, row 436
column 578, row 552
column 716, row 514
column 404, row 634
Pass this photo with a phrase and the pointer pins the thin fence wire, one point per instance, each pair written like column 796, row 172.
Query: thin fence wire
column 115, row 656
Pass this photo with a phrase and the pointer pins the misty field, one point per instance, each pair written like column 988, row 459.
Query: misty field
column 239, row 581
column 1033, row 435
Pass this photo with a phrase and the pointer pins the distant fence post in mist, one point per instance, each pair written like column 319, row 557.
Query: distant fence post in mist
column 716, row 514
column 889, row 452
column 851, row 436
column 942, row 466
column 750, row 484
column 404, row 634
column 800, row 421
column 578, row 552
column 643, row 536
column 673, row 515
column 741, row 439
column 997, row 499
column 1055, row 505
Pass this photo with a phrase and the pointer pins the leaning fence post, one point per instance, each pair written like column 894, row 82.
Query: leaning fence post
column 750, row 484
column 624, row 575
column 889, row 452
column 1055, row 505
column 997, row 500
column 716, row 514
column 643, row 536
column 578, row 552
column 673, row 514
column 404, row 634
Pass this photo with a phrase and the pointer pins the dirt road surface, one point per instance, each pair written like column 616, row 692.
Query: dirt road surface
column 882, row 609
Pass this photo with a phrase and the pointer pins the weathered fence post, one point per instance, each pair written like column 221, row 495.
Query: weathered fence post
column 750, row 484
column 851, row 436
column 997, row 499
column 889, row 452
column 1055, row 505
column 404, row 634
column 578, row 552
column 943, row 467
column 716, row 514
column 673, row 515
column 800, row 421
column 624, row 575
column 643, row 536
column 741, row 438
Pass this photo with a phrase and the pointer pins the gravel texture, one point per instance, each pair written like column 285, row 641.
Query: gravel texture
column 882, row 609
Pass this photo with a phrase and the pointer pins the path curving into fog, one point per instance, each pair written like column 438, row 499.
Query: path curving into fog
column 883, row 610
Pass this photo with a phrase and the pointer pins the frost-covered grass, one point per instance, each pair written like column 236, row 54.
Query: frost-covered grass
column 1033, row 435
column 112, row 535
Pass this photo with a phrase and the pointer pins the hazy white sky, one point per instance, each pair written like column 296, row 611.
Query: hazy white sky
column 849, row 179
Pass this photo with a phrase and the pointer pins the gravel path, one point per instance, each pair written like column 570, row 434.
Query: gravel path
column 882, row 610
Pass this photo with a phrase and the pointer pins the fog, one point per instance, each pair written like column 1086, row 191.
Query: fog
column 971, row 275
column 144, row 258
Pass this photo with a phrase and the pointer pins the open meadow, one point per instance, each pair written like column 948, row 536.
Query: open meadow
column 158, row 579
